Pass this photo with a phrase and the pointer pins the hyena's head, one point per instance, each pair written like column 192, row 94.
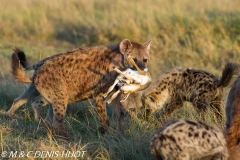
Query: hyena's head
column 154, row 99
column 138, row 52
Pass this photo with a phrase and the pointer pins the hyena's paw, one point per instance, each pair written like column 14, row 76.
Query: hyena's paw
column 57, row 133
column 103, row 129
column 62, row 134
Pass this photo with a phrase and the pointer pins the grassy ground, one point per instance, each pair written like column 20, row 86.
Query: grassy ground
column 203, row 34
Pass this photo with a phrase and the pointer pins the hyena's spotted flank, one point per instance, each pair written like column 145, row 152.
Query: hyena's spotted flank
column 189, row 140
column 76, row 76
column 232, row 132
column 196, row 86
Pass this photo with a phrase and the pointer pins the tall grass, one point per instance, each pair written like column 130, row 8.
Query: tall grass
column 203, row 34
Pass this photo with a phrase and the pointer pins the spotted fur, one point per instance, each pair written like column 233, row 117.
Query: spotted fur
column 232, row 132
column 74, row 76
column 188, row 140
column 199, row 87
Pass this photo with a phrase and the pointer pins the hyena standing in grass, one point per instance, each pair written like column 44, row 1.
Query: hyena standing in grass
column 232, row 132
column 189, row 140
column 75, row 76
column 196, row 86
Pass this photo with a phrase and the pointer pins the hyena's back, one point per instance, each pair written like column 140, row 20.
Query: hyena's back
column 187, row 139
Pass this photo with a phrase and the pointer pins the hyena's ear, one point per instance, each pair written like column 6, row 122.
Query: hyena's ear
column 125, row 45
column 147, row 44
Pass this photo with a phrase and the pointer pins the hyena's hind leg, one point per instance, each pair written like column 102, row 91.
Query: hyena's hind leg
column 216, row 105
column 56, row 95
column 201, row 109
column 56, row 114
column 48, row 121
column 37, row 104
column 30, row 93
column 201, row 103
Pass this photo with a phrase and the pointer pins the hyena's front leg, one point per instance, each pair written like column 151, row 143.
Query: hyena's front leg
column 30, row 93
column 102, row 112
column 174, row 104
column 36, row 105
column 119, row 111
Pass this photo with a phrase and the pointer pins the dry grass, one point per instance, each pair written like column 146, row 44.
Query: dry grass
column 203, row 34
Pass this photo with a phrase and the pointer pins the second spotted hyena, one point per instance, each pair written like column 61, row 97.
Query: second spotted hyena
column 189, row 140
column 196, row 86
column 76, row 75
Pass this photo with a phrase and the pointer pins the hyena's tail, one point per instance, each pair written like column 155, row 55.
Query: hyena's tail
column 23, row 60
column 232, row 135
column 229, row 70
column 19, row 63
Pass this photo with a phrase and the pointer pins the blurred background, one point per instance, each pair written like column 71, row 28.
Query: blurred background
column 203, row 34
column 198, row 34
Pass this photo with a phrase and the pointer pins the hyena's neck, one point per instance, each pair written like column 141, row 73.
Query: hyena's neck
column 162, row 90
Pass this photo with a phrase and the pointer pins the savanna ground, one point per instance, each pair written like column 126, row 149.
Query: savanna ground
column 199, row 34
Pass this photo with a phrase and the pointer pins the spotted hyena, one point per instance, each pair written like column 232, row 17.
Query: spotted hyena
column 196, row 86
column 232, row 132
column 188, row 140
column 76, row 75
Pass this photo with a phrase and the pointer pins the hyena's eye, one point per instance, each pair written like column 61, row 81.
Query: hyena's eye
column 145, row 60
